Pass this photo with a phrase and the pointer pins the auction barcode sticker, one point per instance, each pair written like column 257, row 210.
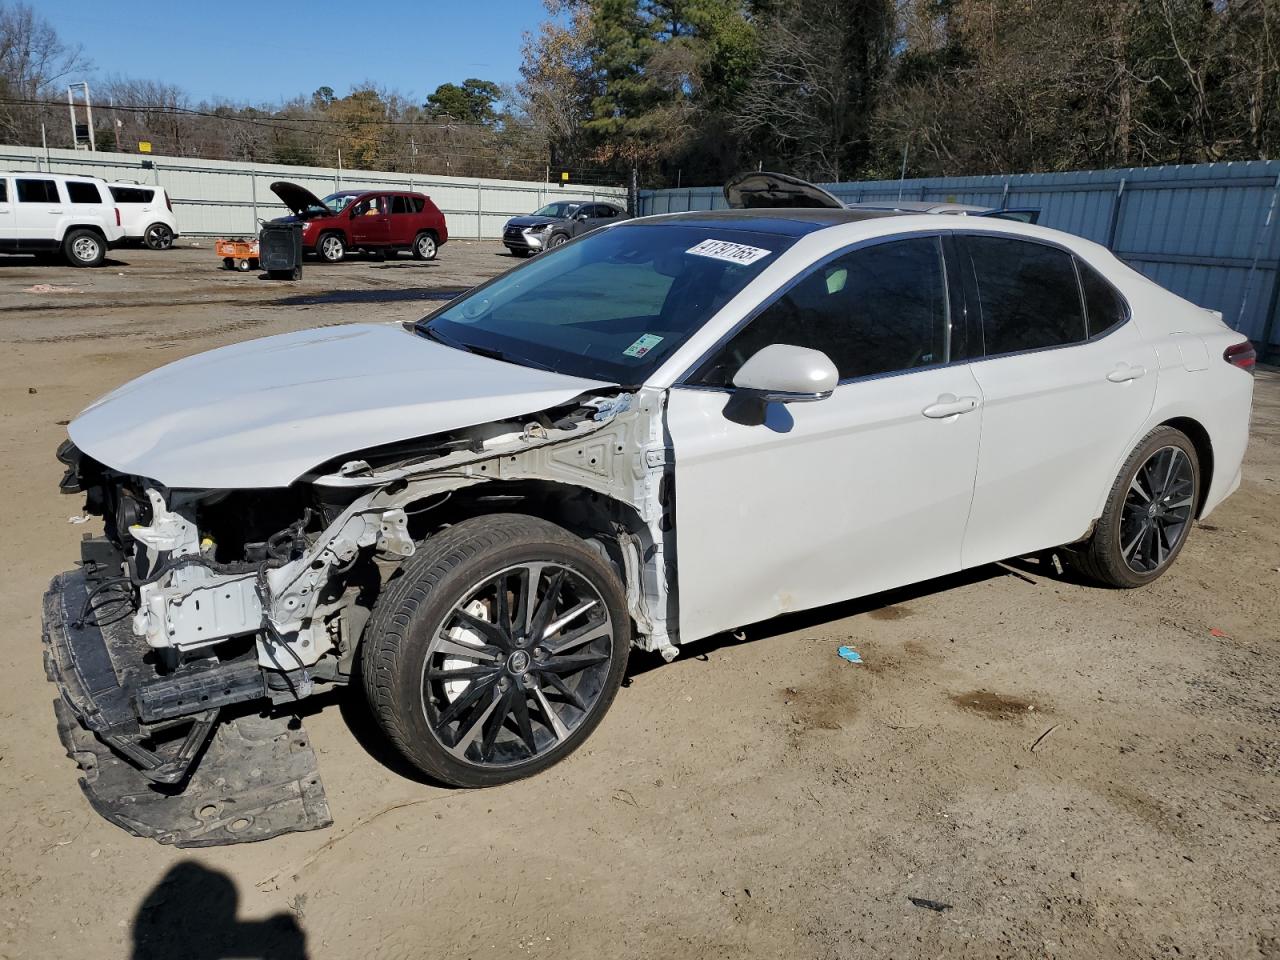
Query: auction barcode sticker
column 726, row 250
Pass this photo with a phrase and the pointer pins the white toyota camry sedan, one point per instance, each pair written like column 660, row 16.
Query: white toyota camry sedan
column 665, row 429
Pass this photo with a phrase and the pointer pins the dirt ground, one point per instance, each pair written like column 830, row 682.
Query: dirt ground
column 1074, row 772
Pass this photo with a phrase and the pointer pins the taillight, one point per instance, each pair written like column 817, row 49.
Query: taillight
column 167, row 202
column 117, row 216
column 1241, row 355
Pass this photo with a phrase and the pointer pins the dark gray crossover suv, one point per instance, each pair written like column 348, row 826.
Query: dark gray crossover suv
column 556, row 223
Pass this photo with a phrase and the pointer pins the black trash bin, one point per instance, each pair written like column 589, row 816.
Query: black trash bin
column 280, row 249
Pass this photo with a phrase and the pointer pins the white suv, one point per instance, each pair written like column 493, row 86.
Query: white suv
column 147, row 214
column 44, row 213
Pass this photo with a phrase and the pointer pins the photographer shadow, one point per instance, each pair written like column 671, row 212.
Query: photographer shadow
column 191, row 913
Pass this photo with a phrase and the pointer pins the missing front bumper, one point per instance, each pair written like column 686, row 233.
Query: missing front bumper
column 198, row 780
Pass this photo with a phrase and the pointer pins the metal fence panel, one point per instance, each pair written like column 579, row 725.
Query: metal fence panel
column 219, row 198
column 1208, row 232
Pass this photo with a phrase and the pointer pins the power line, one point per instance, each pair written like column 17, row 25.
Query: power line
column 266, row 121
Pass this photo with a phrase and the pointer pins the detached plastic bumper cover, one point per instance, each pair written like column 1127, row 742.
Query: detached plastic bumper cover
column 200, row 780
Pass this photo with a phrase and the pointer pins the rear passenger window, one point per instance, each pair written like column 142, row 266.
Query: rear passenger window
column 131, row 194
column 1028, row 292
column 880, row 309
column 80, row 192
column 1103, row 305
column 4, row 191
column 37, row 191
column 400, row 205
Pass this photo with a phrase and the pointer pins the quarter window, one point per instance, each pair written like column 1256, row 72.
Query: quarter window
column 4, row 190
column 80, row 192
column 1028, row 292
column 1104, row 306
column 37, row 191
column 879, row 309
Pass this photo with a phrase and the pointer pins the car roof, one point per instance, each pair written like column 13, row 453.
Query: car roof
column 918, row 206
column 786, row 221
column 46, row 173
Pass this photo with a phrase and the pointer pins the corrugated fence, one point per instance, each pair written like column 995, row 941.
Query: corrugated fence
column 1208, row 232
column 220, row 198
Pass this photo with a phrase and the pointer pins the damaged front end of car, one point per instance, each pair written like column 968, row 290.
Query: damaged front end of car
column 200, row 618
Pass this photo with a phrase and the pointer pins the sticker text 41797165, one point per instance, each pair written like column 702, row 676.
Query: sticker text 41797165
column 729, row 251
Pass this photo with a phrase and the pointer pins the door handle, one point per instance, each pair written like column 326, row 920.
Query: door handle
column 54, row 210
column 1124, row 372
column 949, row 405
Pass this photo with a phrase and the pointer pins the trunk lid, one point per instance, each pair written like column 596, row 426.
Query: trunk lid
column 764, row 189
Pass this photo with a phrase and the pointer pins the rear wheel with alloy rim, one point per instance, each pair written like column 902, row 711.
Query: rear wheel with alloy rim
column 158, row 236
column 497, row 650
column 424, row 247
column 331, row 248
column 1149, row 513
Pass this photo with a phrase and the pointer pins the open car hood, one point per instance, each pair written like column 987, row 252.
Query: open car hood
column 264, row 412
column 297, row 198
column 764, row 189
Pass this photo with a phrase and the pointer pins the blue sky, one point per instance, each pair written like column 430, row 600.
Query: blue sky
column 263, row 51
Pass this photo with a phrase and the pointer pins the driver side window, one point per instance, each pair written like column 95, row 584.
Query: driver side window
column 875, row 310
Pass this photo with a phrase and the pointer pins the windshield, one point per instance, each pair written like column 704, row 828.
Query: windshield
column 336, row 202
column 561, row 209
column 611, row 306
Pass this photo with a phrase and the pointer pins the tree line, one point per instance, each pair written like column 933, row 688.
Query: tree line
column 692, row 91
column 831, row 89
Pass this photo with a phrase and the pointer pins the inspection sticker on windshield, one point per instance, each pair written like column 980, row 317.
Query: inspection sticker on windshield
column 642, row 346
column 732, row 252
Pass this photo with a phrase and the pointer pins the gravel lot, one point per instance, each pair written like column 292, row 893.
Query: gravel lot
column 1074, row 772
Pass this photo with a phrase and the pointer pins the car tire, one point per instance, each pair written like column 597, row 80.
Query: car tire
column 331, row 248
column 1149, row 513
column 84, row 248
column 425, row 246
column 556, row 240
column 547, row 700
column 158, row 236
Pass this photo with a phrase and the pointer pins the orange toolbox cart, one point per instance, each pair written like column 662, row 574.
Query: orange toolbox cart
column 238, row 253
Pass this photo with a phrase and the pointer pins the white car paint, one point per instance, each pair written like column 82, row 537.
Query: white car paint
column 264, row 412
column 825, row 501
column 42, row 225
column 858, row 490
column 811, row 525
column 137, row 217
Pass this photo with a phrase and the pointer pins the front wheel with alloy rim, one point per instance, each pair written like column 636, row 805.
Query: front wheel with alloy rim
column 84, row 248
column 158, row 236
column 424, row 247
column 331, row 248
column 496, row 650
column 555, row 240
column 1149, row 512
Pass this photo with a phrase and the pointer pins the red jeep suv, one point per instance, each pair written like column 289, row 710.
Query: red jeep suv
column 383, row 221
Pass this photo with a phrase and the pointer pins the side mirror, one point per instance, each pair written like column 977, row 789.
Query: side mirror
column 580, row 215
column 782, row 373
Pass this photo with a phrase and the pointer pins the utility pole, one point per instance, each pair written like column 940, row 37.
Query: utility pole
column 80, row 136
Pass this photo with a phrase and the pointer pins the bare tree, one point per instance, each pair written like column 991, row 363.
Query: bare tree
column 32, row 62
